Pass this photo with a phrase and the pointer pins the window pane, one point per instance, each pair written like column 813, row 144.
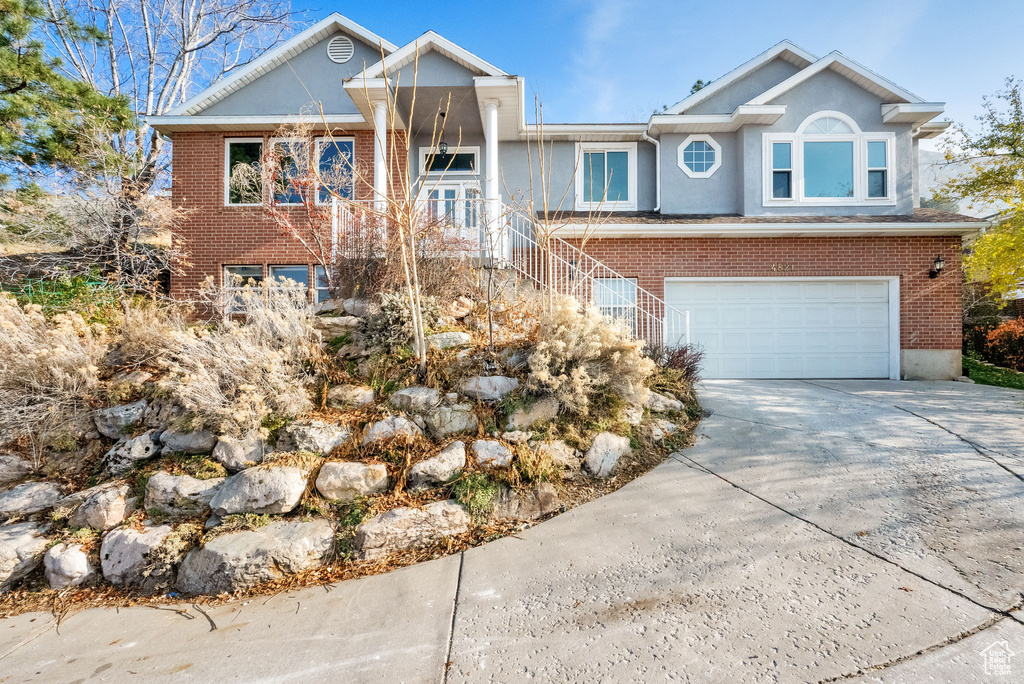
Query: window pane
column 247, row 274
column 300, row 274
column 618, row 176
column 456, row 161
column 782, row 185
column 828, row 124
column 699, row 156
column 336, row 168
column 323, row 293
column 616, row 298
column 593, row 176
column 876, row 184
column 782, row 155
column 286, row 190
column 828, row 169
column 876, row 154
column 241, row 153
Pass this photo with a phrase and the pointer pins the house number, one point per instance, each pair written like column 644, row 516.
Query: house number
column 782, row 268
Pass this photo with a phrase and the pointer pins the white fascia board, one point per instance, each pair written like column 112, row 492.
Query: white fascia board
column 932, row 129
column 506, row 91
column 407, row 53
column 587, row 132
column 840, row 63
column 741, row 116
column 171, row 123
column 912, row 113
column 741, row 71
column 725, row 230
column 275, row 57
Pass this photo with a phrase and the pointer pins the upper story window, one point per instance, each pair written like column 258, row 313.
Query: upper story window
column 335, row 157
column 240, row 151
column 828, row 161
column 699, row 156
column 606, row 176
column 288, row 182
column 461, row 161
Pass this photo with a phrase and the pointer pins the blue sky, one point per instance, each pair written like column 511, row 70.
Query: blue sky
column 616, row 60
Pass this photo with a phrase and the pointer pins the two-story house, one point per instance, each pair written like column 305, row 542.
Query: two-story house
column 778, row 206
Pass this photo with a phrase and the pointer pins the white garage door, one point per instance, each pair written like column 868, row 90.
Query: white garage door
column 788, row 328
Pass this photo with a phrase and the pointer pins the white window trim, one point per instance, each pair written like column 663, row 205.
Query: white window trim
column 320, row 141
column 630, row 148
column 860, row 141
column 462, row 149
column 701, row 137
column 227, row 170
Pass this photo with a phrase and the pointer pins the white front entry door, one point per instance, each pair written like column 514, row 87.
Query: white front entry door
column 792, row 328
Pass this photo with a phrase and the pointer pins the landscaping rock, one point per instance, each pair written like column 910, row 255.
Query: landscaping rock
column 349, row 396
column 438, row 469
column 28, row 498
column 131, row 377
column 360, row 308
column 125, row 554
column 240, row 560
column 326, row 306
column 261, row 490
column 336, row 326
column 13, row 468
column 539, row 500
column 180, row 494
column 604, row 454
column 198, row 442
column 964, row 378
column 491, row 453
column 346, row 481
column 447, row 340
column 560, row 454
column 160, row 413
column 489, row 387
column 517, row 436
column 66, row 565
column 401, row 529
column 661, row 428
column 123, row 456
column 112, row 421
column 415, row 399
column 448, row 420
column 101, row 507
column 461, row 307
column 21, row 547
column 633, row 414
column 238, row 453
column 542, row 411
column 315, row 436
column 389, row 428
column 659, row 402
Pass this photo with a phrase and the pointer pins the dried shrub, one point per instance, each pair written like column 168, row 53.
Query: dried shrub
column 580, row 354
column 1005, row 344
column 685, row 358
column 392, row 327
column 249, row 367
column 49, row 370
column 148, row 333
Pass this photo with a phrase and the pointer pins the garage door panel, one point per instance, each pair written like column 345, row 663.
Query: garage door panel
column 788, row 329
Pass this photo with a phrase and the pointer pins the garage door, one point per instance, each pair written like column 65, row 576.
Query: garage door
column 788, row 328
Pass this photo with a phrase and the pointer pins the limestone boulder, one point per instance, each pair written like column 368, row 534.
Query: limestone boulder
column 66, row 565
column 198, row 442
column 125, row 554
column 28, row 498
column 401, row 529
column 315, row 436
column 127, row 453
column 491, row 453
column 540, row 411
column 111, row 422
column 21, row 548
column 517, row 436
column 489, row 387
column 660, row 403
column 447, row 340
column 604, row 454
column 535, row 502
column 180, row 494
column 161, row 413
column 391, row 428
column 349, row 396
column 240, row 560
column 661, row 428
column 275, row 489
column 239, row 453
column 449, row 420
column 346, row 481
column 101, row 507
column 361, row 308
column 438, row 469
column 13, row 468
column 415, row 399
column 559, row 453
column 336, row 326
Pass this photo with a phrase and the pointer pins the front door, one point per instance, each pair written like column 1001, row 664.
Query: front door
column 457, row 208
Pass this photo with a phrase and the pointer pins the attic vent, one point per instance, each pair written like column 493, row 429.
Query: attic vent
column 340, row 49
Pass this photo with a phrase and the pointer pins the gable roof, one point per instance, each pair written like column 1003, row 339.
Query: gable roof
column 843, row 65
column 784, row 50
column 428, row 41
column 278, row 56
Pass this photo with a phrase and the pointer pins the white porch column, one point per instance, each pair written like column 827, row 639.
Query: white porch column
column 491, row 179
column 380, row 159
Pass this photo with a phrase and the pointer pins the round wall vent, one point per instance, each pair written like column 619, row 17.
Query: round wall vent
column 340, row 49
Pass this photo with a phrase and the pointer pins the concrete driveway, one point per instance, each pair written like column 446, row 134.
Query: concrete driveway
column 818, row 531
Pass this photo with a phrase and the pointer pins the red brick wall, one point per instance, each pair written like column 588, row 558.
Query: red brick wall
column 214, row 235
column 930, row 309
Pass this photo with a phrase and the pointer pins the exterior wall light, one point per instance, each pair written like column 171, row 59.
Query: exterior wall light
column 937, row 267
column 442, row 147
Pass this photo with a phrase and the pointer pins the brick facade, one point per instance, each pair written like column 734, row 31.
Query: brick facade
column 214, row 234
column 930, row 309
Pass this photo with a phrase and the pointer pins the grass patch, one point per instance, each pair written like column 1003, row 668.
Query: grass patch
column 336, row 343
column 477, row 492
column 349, row 515
column 987, row 375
